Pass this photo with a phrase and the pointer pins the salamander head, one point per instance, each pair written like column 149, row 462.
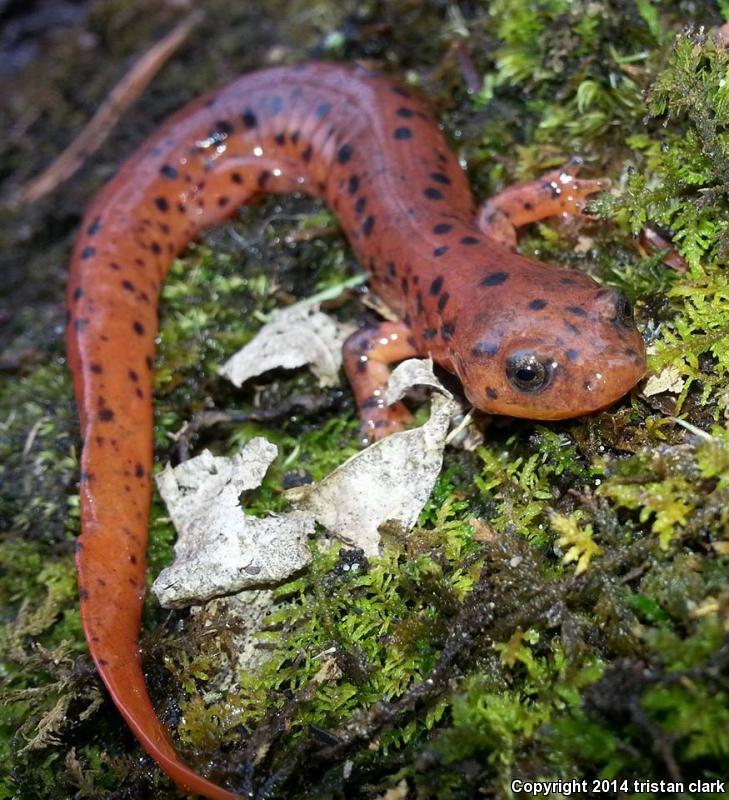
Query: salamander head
column 553, row 354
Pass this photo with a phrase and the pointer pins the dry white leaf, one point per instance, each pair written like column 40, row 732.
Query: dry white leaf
column 390, row 480
column 668, row 379
column 219, row 549
column 296, row 336
column 413, row 372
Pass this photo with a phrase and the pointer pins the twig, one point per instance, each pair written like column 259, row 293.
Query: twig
column 111, row 110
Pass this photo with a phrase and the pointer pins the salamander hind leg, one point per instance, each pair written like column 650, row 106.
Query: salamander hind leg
column 367, row 353
column 556, row 193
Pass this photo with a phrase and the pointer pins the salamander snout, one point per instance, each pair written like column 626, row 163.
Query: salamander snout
column 572, row 355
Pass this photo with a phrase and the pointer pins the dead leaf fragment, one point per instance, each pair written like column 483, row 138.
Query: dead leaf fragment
column 297, row 336
column 219, row 549
column 390, row 480
column 413, row 372
column 668, row 379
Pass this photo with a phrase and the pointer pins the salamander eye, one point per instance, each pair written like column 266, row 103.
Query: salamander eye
column 623, row 311
column 527, row 372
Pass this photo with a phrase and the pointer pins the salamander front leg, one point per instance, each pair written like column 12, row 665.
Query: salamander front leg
column 367, row 352
column 559, row 192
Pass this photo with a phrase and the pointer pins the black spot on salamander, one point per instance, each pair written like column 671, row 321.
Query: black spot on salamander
column 403, row 133
column 139, row 471
column 552, row 188
column 405, row 112
column 353, row 184
column 149, row 361
column 236, row 177
column 99, row 441
column 162, row 204
column 407, row 321
column 78, row 293
column 220, row 130
column 97, row 369
column 113, row 265
column 432, row 193
column 567, row 281
column 576, row 310
column 492, row 394
column 94, row 228
column 106, row 414
column 537, row 304
column 528, row 206
column 263, row 178
column 139, row 262
column 419, row 308
column 494, row 279
column 344, row 153
column 138, row 328
column 83, row 593
column 181, row 207
column 133, row 376
column 88, row 252
column 571, row 328
column 250, row 120
column 223, row 201
column 442, row 227
column 280, row 138
column 308, row 153
column 295, row 136
column 132, row 559
column 168, row 171
column 469, row 240
column 430, row 333
column 440, row 177
column 401, row 91
column 128, row 286
column 484, row 348
column 391, row 269
column 404, row 286
column 368, row 225
column 443, row 301
column 359, row 206
column 436, row 285
column 322, row 110
column 372, row 402
column 572, row 355
column 81, row 324
column 447, row 329
column 155, row 248
column 440, row 251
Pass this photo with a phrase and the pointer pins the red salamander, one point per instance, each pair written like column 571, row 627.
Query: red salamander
column 526, row 339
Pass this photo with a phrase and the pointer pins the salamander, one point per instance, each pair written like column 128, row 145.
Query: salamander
column 525, row 339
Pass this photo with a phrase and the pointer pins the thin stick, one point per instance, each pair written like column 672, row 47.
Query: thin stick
column 111, row 110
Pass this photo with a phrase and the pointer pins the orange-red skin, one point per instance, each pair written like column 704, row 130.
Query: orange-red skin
column 369, row 148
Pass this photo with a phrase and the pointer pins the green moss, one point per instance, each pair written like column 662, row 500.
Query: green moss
column 661, row 484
